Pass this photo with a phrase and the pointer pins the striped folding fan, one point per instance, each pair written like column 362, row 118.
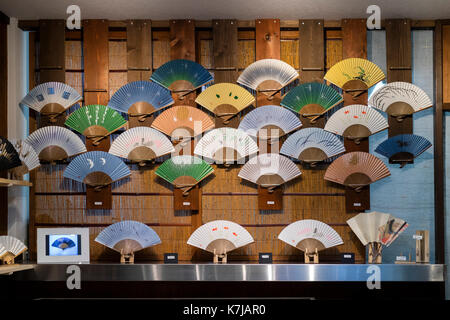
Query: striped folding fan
column 184, row 172
column 55, row 143
column 220, row 237
column 403, row 146
column 267, row 76
column 356, row 169
column 312, row 145
column 225, row 100
column 399, row 99
column 270, row 122
column 181, row 76
column 12, row 245
column 309, row 235
column 97, row 169
column 140, row 99
column 356, row 122
column 95, row 121
column 28, row 157
column 63, row 243
column 3, row 251
column 9, row 157
column 225, row 145
column 311, row 99
column 128, row 237
column 183, row 121
column 269, row 170
column 141, row 144
column 51, row 99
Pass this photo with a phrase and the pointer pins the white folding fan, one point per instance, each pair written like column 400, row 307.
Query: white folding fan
column 13, row 247
column 312, row 145
column 27, row 155
column 269, row 170
column 55, row 143
column 356, row 121
column 141, row 144
column 225, row 145
column 3, row 251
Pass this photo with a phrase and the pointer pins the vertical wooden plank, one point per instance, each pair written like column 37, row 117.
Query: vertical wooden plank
column 225, row 45
column 311, row 50
column 139, row 50
column 4, row 114
column 446, row 66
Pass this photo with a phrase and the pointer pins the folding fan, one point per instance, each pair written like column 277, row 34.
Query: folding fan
column 12, row 245
column 27, row 154
column 183, row 121
column 141, row 144
column 270, row 122
column 140, row 99
column 63, row 243
column 55, row 143
column 9, row 158
column 269, row 170
column 309, row 235
column 51, row 98
column 312, row 145
column 356, row 122
column 403, row 146
column 181, row 76
column 97, row 169
column 267, row 76
column 184, row 171
column 225, row 145
column 128, row 237
column 311, row 99
column 220, row 237
column 225, row 100
column 356, row 169
column 3, row 251
column 399, row 99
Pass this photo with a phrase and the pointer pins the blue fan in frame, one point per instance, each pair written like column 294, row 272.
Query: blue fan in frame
column 64, row 245
column 403, row 148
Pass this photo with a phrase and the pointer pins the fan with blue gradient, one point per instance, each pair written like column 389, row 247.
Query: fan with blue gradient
column 63, row 243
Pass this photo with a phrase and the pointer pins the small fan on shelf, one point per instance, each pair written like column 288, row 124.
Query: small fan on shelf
column 311, row 100
column 310, row 236
column 51, row 99
column 97, row 169
column 354, row 75
column 28, row 157
column 269, row 170
column 225, row 146
column 184, row 172
column 356, row 170
column 356, row 122
column 13, row 248
column 182, row 76
column 54, row 143
column 9, row 157
column 270, row 122
column 140, row 99
column 220, row 237
column 225, row 100
column 376, row 229
column 63, row 243
column 403, row 148
column 400, row 99
column 312, row 145
column 141, row 144
column 128, row 237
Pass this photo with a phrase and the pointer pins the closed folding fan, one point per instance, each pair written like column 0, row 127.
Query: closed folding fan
column 267, row 76
column 51, row 98
column 220, row 237
column 356, row 122
column 312, row 145
column 270, row 122
column 63, row 243
column 141, row 144
column 269, row 170
column 356, row 169
column 97, row 169
column 225, row 145
column 403, row 146
column 309, row 235
column 181, row 76
column 225, row 99
column 55, row 143
column 183, row 121
column 12, row 245
column 128, row 237
column 311, row 99
column 400, row 99
column 184, row 171
column 140, row 99
column 9, row 158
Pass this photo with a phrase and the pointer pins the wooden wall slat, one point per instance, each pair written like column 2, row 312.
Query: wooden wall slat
column 52, row 50
column 446, row 66
column 139, row 50
column 225, row 49
column 312, row 50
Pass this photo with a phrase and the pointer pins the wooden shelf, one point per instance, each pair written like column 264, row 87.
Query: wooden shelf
column 9, row 269
column 9, row 183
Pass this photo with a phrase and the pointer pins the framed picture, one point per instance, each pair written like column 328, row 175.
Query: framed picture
column 63, row 245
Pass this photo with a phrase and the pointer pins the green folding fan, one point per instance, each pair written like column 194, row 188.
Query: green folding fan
column 95, row 121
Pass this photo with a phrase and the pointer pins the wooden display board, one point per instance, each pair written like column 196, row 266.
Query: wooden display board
column 4, row 21
column 446, row 66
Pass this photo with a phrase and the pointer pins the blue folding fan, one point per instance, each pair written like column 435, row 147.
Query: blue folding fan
column 63, row 243
column 97, row 169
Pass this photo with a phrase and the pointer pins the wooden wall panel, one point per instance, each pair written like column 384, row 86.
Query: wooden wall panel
column 139, row 50
column 312, row 50
column 52, row 50
column 446, row 66
column 4, row 115
column 225, row 49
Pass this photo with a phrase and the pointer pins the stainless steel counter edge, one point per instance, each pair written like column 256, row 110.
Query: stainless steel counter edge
column 236, row 272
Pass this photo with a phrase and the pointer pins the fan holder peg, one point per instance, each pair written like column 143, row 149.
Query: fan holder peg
column 375, row 250
column 311, row 255
column 222, row 258
column 126, row 258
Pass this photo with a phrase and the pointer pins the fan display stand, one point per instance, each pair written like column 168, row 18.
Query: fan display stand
column 190, row 200
column 10, row 183
column 422, row 246
column 312, row 255
column 270, row 199
column 8, row 258
column 126, row 258
column 375, row 250
column 222, row 258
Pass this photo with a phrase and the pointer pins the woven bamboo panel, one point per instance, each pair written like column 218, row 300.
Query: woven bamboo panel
column 75, row 80
column 206, row 53
column 73, row 55
column 247, row 53
column 289, row 52
column 333, row 52
column 117, row 55
column 116, row 80
column 161, row 53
